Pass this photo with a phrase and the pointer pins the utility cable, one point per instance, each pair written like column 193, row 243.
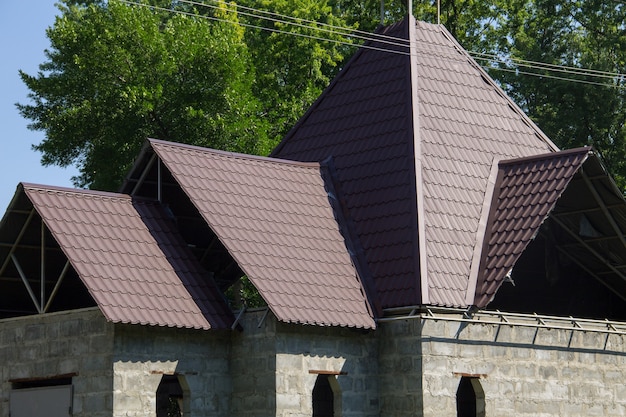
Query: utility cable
column 390, row 41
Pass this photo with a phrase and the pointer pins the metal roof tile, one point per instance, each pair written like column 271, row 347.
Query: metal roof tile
column 118, row 258
column 465, row 123
column 275, row 219
column 523, row 198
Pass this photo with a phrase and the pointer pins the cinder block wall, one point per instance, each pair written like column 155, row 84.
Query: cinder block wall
column 199, row 358
column 348, row 355
column 49, row 345
column 274, row 367
column 400, row 364
column 253, row 366
column 523, row 371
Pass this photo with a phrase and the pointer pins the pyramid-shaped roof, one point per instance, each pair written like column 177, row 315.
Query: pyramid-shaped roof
column 413, row 126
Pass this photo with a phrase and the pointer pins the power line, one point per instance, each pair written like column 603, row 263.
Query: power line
column 555, row 77
column 401, row 42
column 217, row 19
column 386, row 40
column 550, row 67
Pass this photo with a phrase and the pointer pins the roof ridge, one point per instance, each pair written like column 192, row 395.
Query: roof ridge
column 421, row 260
column 235, row 155
column 60, row 189
column 549, row 155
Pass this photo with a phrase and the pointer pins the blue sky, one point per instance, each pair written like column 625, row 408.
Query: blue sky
column 23, row 32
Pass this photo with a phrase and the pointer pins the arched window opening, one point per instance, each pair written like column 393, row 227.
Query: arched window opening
column 470, row 398
column 169, row 397
column 323, row 397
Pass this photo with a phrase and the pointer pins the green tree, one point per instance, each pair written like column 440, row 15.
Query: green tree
column 295, row 58
column 116, row 74
column 572, row 108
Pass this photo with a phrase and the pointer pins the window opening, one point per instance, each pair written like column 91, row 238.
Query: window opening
column 323, row 397
column 41, row 397
column 470, row 398
column 169, row 397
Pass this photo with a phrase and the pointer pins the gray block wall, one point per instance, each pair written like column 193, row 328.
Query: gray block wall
column 253, row 366
column 117, row 368
column 274, row 367
column 408, row 367
column 400, row 364
column 199, row 359
column 349, row 356
column 523, row 371
column 78, row 342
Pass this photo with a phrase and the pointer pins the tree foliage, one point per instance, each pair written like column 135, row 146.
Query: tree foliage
column 236, row 79
column 572, row 106
column 116, row 74
column 296, row 53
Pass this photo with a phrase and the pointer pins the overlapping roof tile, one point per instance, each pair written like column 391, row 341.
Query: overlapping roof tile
column 275, row 219
column 525, row 192
column 434, row 124
column 129, row 256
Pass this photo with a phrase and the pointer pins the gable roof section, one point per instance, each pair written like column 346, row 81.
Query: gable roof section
column 275, row 219
column 130, row 258
column 413, row 125
column 525, row 192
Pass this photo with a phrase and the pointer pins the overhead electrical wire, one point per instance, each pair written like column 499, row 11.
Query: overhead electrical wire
column 395, row 41
column 616, row 79
column 284, row 32
column 549, row 67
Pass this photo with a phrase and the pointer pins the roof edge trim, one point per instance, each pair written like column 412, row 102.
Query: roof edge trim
column 479, row 246
column 351, row 240
column 421, row 257
column 314, row 165
column 42, row 187
column 531, row 158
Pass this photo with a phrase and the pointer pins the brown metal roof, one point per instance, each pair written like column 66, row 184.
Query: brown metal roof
column 275, row 219
column 408, row 134
column 130, row 257
column 413, row 137
column 525, row 192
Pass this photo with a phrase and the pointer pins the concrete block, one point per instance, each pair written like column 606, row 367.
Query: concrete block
column 288, row 402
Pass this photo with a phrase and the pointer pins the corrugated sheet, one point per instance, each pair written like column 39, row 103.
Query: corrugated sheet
column 275, row 219
column 526, row 191
column 130, row 258
column 364, row 120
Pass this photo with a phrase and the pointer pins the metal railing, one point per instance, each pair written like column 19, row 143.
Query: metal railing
column 497, row 317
